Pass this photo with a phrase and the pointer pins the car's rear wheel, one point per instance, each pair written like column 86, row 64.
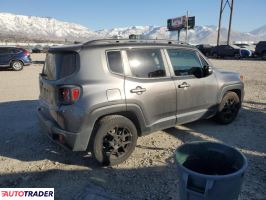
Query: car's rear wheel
column 114, row 141
column 237, row 56
column 228, row 108
column 264, row 55
column 17, row 65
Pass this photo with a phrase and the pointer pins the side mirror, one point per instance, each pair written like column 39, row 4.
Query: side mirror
column 207, row 70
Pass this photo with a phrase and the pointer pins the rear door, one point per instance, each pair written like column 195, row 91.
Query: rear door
column 149, row 86
column 5, row 56
column 196, row 92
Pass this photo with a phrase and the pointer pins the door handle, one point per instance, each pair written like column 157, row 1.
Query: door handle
column 184, row 85
column 138, row 90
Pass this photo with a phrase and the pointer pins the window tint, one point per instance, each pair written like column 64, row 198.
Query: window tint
column 16, row 50
column 3, row 50
column 185, row 63
column 146, row 63
column 115, row 61
column 59, row 65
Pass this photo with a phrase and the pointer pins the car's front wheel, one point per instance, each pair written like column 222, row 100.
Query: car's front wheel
column 228, row 108
column 215, row 55
column 17, row 65
column 114, row 140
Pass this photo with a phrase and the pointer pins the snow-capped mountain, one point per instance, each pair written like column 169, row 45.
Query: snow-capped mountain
column 19, row 27
column 261, row 32
column 31, row 28
column 201, row 34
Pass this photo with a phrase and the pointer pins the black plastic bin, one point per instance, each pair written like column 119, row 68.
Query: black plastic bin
column 210, row 170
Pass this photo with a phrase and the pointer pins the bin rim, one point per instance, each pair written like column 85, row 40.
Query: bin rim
column 215, row 177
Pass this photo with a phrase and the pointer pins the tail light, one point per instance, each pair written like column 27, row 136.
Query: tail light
column 241, row 77
column 26, row 53
column 69, row 94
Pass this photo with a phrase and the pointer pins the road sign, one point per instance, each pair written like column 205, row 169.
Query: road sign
column 178, row 23
column 191, row 22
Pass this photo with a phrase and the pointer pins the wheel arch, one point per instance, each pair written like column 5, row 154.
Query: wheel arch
column 12, row 60
column 238, row 89
column 134, row 114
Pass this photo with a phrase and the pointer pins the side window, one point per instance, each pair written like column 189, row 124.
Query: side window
column 185, row 63
column 115, row 61
column 16, row 50
column 146, row 63
column 3, row 50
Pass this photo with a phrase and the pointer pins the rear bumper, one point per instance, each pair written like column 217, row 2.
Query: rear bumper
column 63, row 138
column 27, row 60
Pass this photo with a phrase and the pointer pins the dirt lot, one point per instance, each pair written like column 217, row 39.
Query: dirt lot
column 29, row 159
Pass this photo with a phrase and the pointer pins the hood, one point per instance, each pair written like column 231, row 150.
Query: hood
column 227, row 76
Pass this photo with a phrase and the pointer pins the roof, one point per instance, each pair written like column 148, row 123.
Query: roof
column 123, row 42
column 118, row 42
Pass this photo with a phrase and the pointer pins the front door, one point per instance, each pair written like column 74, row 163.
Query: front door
column 148, row 85
column 196, row 90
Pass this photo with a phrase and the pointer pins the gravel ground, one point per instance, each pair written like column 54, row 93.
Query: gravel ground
column 29, row 159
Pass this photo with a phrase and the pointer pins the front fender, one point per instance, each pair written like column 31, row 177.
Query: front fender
column 231, row 87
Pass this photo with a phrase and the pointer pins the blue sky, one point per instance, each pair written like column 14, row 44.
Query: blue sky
column 99, row 14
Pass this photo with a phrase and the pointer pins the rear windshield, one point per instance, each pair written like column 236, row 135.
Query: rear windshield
column 59, row 65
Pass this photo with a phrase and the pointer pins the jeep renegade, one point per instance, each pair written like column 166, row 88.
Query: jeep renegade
column 102, row 95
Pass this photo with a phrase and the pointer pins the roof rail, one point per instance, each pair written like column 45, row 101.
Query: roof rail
column 126, row 41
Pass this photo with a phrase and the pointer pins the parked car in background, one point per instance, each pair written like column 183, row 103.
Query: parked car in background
column 14, row 57
column 205, row 49
column 260, row 50
column 37, row 49
column 222, row 51
column 102, row 95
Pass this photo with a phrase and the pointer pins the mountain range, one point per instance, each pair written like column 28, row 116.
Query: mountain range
column 45, row 29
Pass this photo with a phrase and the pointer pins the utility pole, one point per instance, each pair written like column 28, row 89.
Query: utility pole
column 230, row 21
column 187, row 28
column 220, row 19
column 178, row 35
column 230, row 3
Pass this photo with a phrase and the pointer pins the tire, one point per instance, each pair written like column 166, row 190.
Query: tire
column 228, row 108
column 16, row 65
column 263, row 55
column 215, row 55
column 237, row 56
column 114, row 140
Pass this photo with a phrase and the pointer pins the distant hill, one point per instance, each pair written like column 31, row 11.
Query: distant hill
column 37, row 29
column 30, row 28
column 201, row 34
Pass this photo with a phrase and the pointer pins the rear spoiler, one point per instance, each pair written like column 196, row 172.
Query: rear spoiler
column 65, row 48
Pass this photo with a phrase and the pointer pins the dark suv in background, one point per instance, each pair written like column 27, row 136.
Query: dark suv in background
column 205, row 49
column 102, row 95
column 14, row 57
column 260, row 49
column 222, row 51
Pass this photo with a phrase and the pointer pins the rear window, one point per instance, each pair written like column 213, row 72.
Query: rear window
column 59, row 65
column 16, row 50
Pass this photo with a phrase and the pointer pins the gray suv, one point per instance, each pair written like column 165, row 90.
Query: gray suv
column 102, row 95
